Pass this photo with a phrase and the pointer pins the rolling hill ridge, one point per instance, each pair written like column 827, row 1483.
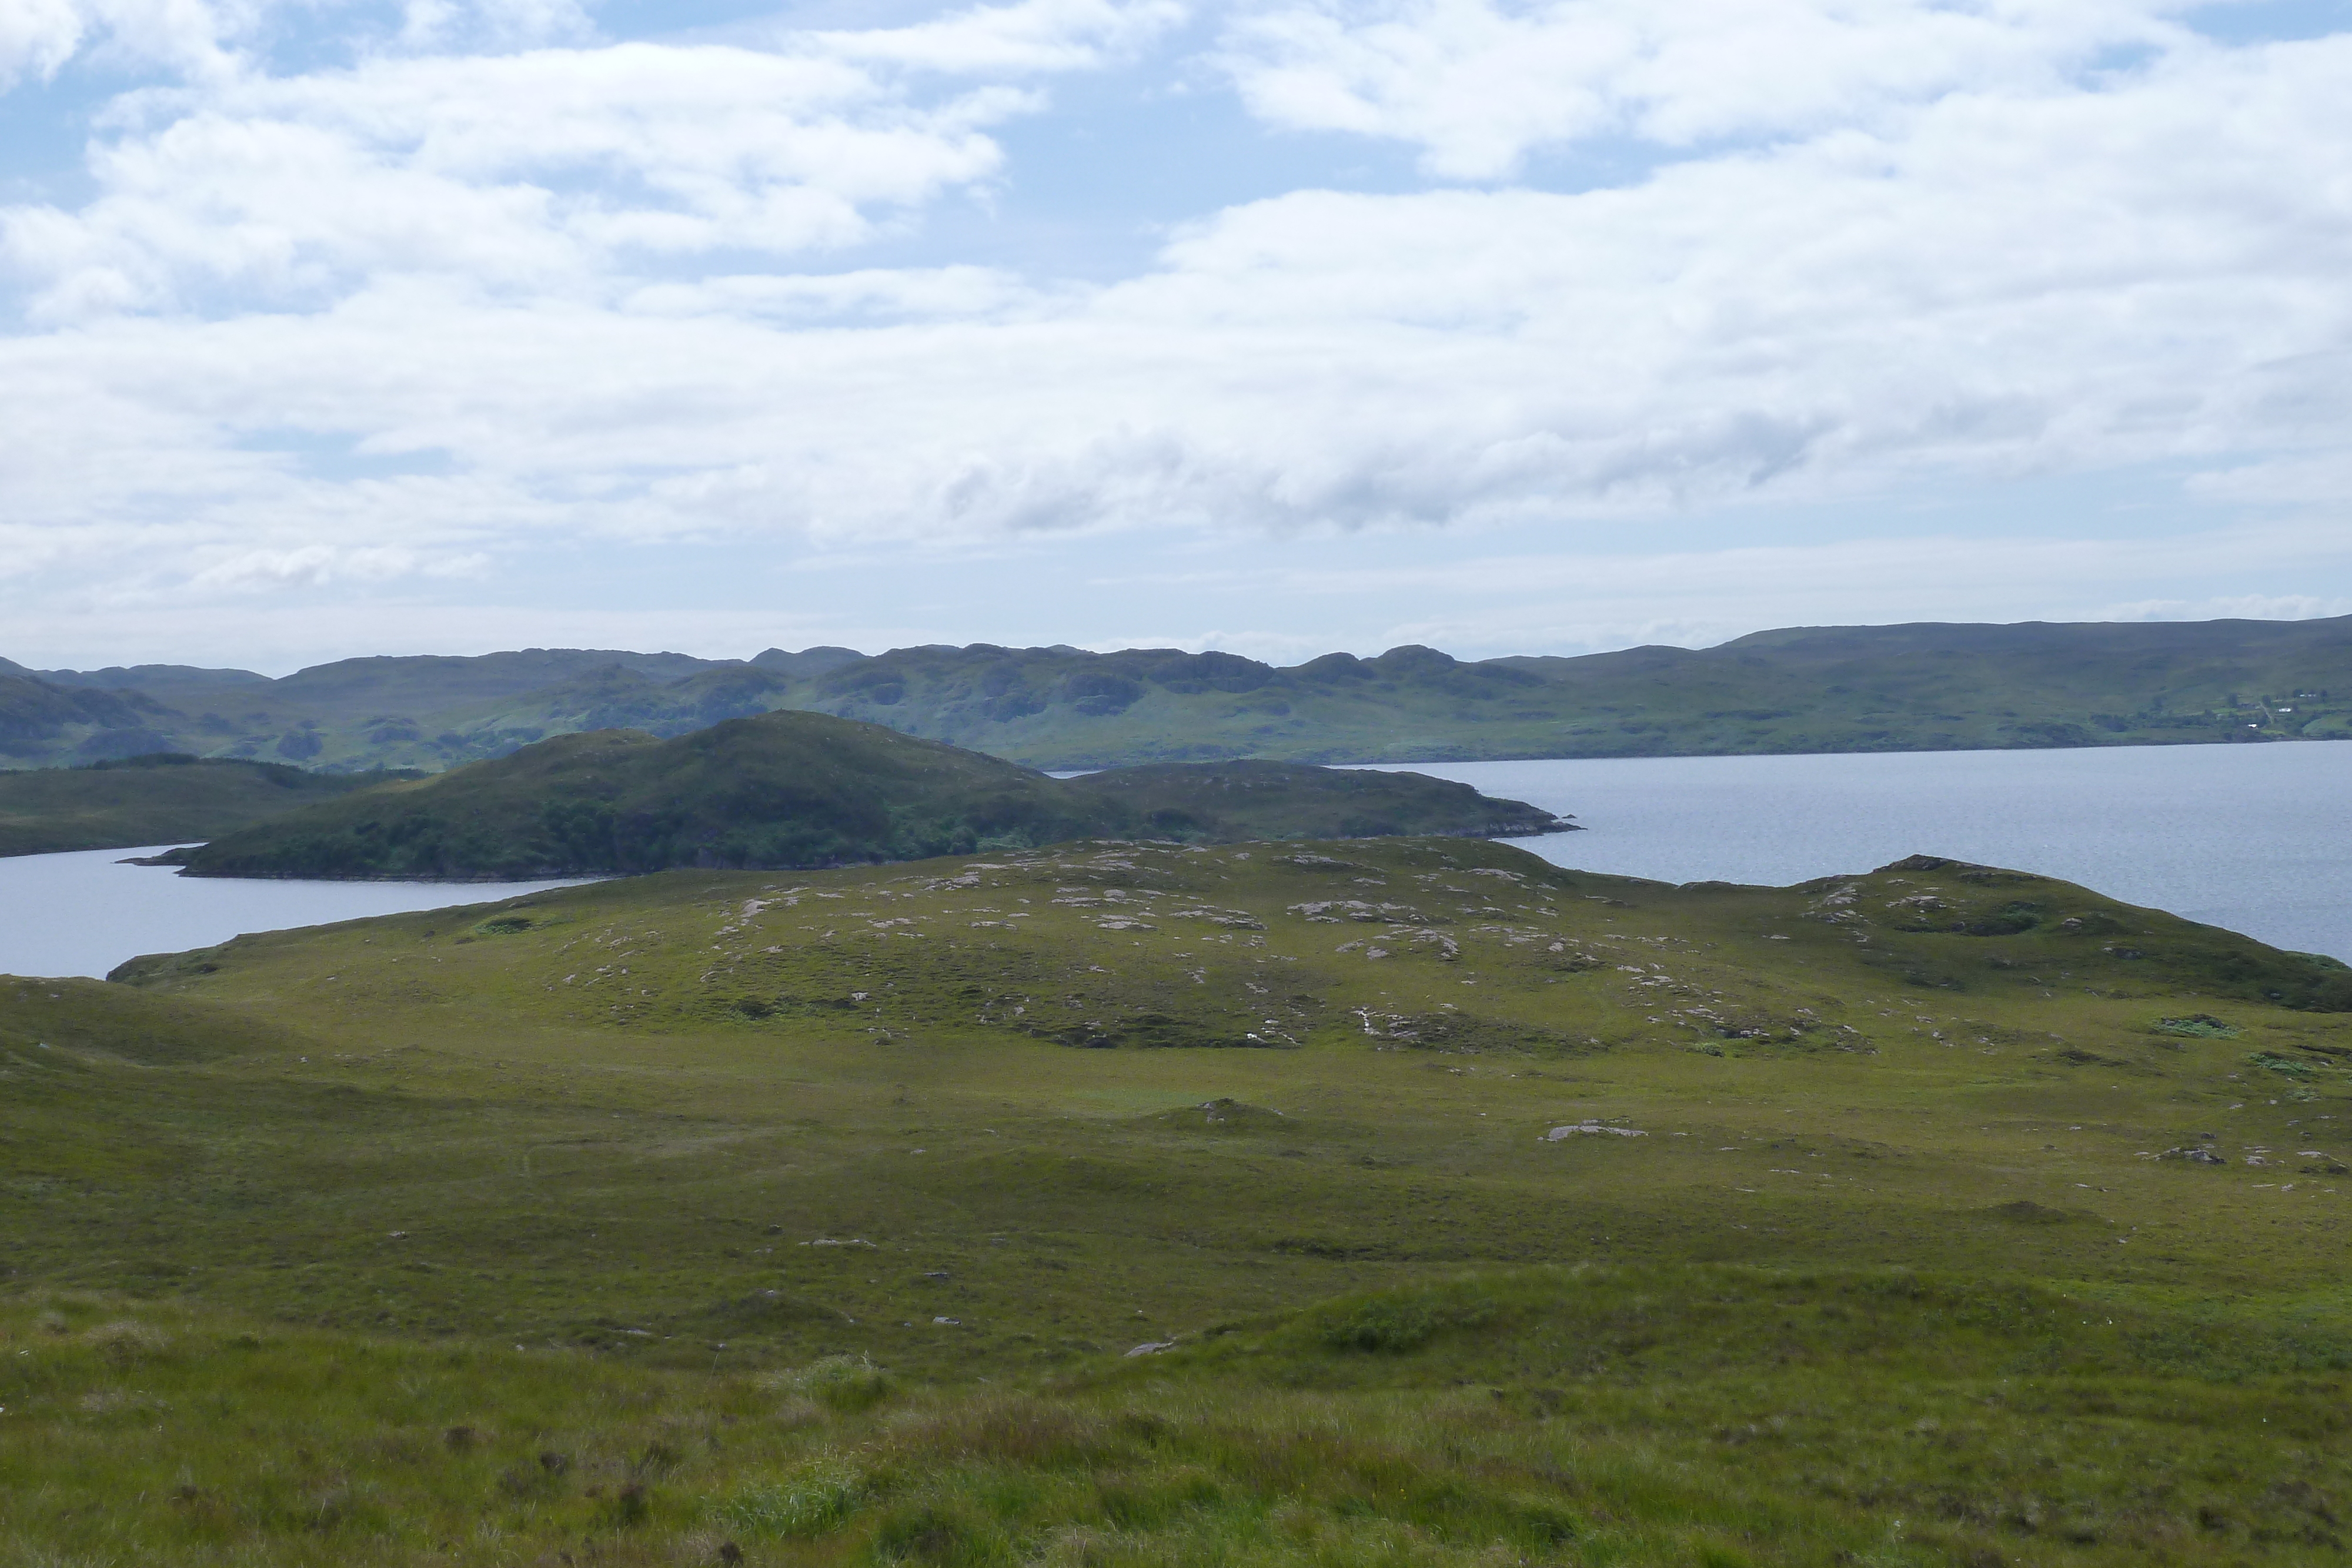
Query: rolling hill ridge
column 1860, row 688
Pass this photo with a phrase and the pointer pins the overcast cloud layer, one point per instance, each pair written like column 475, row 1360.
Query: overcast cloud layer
column 340, row 328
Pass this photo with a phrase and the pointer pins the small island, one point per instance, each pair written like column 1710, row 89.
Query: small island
column 788, row 789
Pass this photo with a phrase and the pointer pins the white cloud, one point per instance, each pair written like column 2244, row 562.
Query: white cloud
column 1478, row 84
column 38, row 36
column 315, row 566
column 216, row 40
column 198, row 38
column 544, row 170
column 1027, row 37
column 938, row 293
column 562, row 169
column 2084, row 280
column 614, row 289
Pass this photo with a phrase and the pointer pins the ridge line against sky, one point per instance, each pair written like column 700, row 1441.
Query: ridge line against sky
column 1504, row 326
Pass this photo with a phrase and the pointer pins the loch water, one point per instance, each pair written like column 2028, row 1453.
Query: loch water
column 2257, row 838
column 84, row 913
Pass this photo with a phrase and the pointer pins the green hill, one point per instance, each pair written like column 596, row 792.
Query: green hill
column 152, row 800
column 1873, row 688
column 618, row 697
column 1940, row 687
column 35, row 714
column 1404, row 1201
column 803, row 789
column 1850, row 688
column 354, row 714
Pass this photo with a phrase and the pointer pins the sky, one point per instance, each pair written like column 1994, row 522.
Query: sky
column 344, row 327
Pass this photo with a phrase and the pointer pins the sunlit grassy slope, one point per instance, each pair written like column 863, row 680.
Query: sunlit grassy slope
column 500, row 1235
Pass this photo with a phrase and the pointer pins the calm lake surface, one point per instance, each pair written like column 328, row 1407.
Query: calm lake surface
column 82, row 913
column 2255, row 838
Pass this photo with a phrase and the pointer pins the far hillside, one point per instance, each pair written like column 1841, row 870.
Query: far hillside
column 801, row 789
column 1922, row 687
column 156, row 800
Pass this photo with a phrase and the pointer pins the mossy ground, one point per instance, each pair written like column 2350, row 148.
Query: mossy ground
column 1895, row 1275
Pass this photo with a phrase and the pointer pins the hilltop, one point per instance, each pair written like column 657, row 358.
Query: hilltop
column 1853, row 688
column 1404, row 1200
column 809, row 789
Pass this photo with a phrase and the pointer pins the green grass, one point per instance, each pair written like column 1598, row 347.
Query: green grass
column 1895, row 1273
column 1593, row 1415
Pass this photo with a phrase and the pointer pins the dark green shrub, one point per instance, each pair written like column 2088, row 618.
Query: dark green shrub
column 1387, row 1327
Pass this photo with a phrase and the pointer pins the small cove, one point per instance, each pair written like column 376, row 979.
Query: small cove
column 84, row 913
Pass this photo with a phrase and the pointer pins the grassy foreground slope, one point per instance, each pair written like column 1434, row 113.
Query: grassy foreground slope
column 801, row 788
column 716, row 1217
column 152, row 800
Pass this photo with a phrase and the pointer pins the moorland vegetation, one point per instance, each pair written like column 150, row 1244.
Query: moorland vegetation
column 1406, row 1201
column 786, row 789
